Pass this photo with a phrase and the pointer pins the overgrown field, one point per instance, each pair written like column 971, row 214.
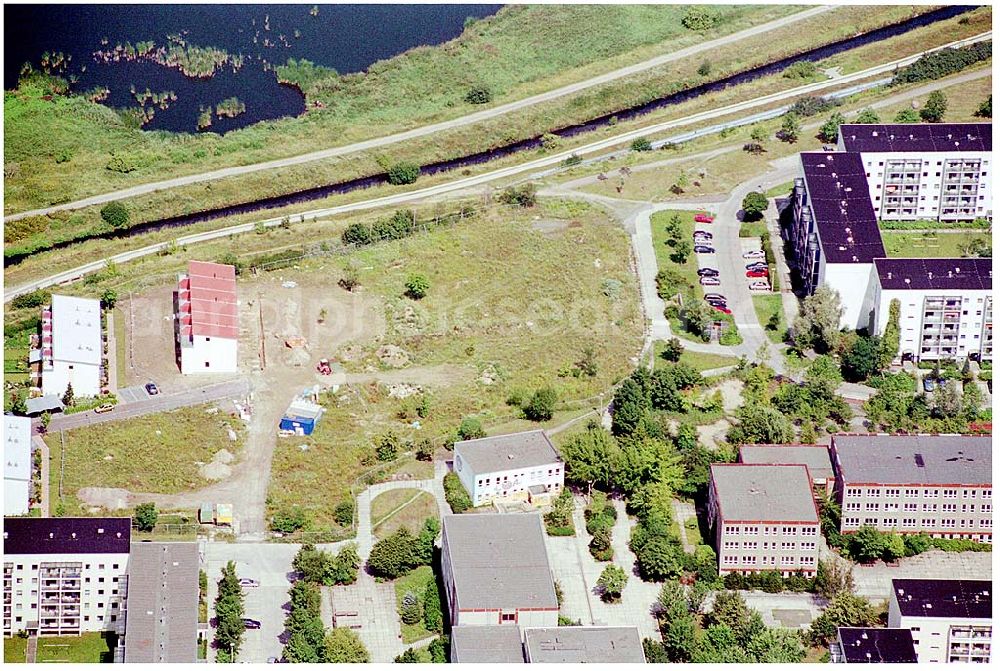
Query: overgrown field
column 936, row 244
column 514, row 305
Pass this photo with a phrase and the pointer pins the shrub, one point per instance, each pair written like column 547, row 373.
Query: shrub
column 641, row 144
column 700, row 18
column 289, row 520
column 121, row 163
column 146, row 516
column 115, row 215
column 417, row 286
column 612, row 583
column 357, row 234
column 410, row 611
column 433, row 617
column 800, row 70
column 455, row 494
column 705, row 68
column 403, row 173
column 754, row 206
column 542, row 405
column 393, row 556
column 387, row 446
column 944, row 62
column 812, row 105
column 470, row 429
column 343, row 514
column 479, row 94
column 521, row 196
column 34, row 299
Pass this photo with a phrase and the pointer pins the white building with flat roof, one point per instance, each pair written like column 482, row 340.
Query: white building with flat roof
column 516, row 466
column 950, row 620
column 16, row 465
column 72, row 346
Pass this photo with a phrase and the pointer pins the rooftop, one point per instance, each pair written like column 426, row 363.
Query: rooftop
column 492, row 644
column 748, row 493
column 162, row 621
column 902, row 460
column 16, row 447
column 922, row 274
column 66, row 535
column 76, row 329
column 208, row 301
column 499, row 561
column 841, row 207
column 816, row 458
column 583, row 645
column 869, row 645
column 502, row 453
column 923, row 137
column 969, row 599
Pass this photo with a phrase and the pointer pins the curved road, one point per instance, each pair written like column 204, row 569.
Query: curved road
column 484, row 178
column 466, row 120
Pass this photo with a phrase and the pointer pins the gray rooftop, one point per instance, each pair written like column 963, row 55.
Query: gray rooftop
column 815, row 457
column 904, row 460
column 162, row 624
column 751, row 493
column 499, row 561
column 584, row 645
column 503, row 453
column 492, row 644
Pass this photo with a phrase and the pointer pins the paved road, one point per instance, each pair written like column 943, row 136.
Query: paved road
column 476, row 117
column 222, row 390
column 465, row 183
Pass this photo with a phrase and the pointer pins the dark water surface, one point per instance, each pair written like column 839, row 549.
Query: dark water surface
column 348, row 38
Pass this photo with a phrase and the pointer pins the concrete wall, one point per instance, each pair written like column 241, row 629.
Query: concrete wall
column 851, row 281
column 219, row 353
column 86, row 379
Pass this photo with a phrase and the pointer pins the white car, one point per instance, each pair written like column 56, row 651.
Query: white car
column 756, row 254
column 710, row 281
column 703, row 234
column 760, row 286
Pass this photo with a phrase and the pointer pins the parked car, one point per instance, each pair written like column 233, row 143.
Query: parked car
column 756, row 264
column 710, row 281
column 107, row 407
column 723, row 309
column 708, row 272
column 756, row 254
column 704, row 218
column 760, row 286
column 251, row 624
column 761, row 272
column 703, row 249
column 714, row 297
column 152, row 389
column 703, row 234
column 249, row 582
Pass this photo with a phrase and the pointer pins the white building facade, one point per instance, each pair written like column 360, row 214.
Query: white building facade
column 72, row 346
column 65, row 576
column 951, row 621
column 17, row 465
column 520, row 466
column 207, row 322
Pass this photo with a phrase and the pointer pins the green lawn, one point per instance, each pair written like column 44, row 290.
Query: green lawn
column 88, row 648
column 939, row 244
column 753, row 229
column 697, row 360
column 689, row 269
column 766, row 306
column 14, row 650
column 415, row 581
column 154, row 453
column 121, row 347
column 780, row 191
column 407, row 508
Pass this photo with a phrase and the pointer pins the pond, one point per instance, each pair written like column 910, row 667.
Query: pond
column 347, row 38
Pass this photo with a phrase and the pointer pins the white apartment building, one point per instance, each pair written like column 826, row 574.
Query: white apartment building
column 924, row 171
column 495, row 570
column 16, row 465
column 764, row 518
column 518, row 466
column 207, row 325
column 946, row 306
column 950, row 620
column 941, row 485
column 65, row 575
column 71, row 346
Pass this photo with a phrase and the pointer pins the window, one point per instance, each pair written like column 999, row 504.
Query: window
column 892, row 493
column 930, row 507
column 873, row 493
column 909, row 522
column 912, row 492
column 808, row 531
column 748, row 559
column 930, row 493
column 853, row 493
column 807, row 560
column 910, row 506
column 750, row 545
column 787, row 561
column 871, row 506
column 788, row 531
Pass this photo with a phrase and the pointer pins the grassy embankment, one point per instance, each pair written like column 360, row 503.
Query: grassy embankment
column 700, row 361
column 771, row 316
column 155, row 453
column 510, row 53
column 399, row 508
column 509, row 309
column 38, row 232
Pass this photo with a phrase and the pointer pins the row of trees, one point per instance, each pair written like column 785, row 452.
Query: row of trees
column 950, row 408
column 401, row 552
column 944, row 62
column 324, row 568
column 229, row 609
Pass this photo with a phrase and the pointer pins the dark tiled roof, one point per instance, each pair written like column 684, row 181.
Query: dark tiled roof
column 55, row 535
column 842, row 208
column 969, row 274
column 917, row 137
column 943, row 598
column 870, row 645
column 912, row 460
column 162, row 621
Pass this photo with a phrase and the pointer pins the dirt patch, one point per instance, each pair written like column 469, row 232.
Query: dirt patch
column 392, row 356
column 109, row 498
column 550, row 227
column 218, row 468
column 711, row 435
column 732, row 395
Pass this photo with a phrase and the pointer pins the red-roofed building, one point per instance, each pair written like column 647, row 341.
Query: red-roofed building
column 208, row 323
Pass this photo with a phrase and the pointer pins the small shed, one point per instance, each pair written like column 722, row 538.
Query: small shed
column 224, row 514
column 301, row 417
column 206, row 514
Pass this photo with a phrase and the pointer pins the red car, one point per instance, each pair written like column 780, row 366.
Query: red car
column 723, row 308
column 703, row 219
column 756, row 273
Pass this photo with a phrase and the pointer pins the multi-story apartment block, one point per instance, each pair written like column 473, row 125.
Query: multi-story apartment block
column 517, row 466
column 950, row 620
column 945, row 306
column 207, row 325
column 893, row 172
column 71, row 347
column 496, row 571
column 764, row 518
column 16, row 465
column 65, row 575
column 939, row 485
column 868, row 645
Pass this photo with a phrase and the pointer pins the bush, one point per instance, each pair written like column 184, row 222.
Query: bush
column 403, row 173
column 478, row 95
column 357, row 233
column 417, row 286
column 289, row 520
column 470, row 429
column 812, row 105
column 34, row 299
column 387, row 446
column 700, row 18
column 115, row 215
column 641, row 144
column 800, row 70
column 410, row 611
column 433, row 617
column 754, row 206
column 944, row 62
column 343, row 514
column 393, row 556
column 146, row 516
column 521, row 196
column 542, row 405
column 455, row 494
